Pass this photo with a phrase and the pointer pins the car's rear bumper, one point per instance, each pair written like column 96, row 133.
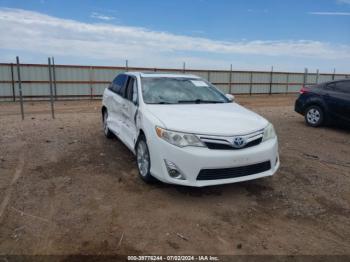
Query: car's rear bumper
column 191, row 160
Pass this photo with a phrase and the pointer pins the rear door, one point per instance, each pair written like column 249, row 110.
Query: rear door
column 115, row 102
column 129, row 111
column 343, row 89
column 337, row 97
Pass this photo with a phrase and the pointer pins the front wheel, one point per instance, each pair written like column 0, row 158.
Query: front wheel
column 106, row 130
column 143, row 160
column 314, row 116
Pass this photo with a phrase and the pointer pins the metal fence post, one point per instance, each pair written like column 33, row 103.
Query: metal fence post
column 91, row 80
column 184, row 67
column 51, row 92
column 251, row 83
column 305, row 77
column 333, row 77
column 230, row 79
column 126, row 65
column 54, row 77
column 317, row 75
column 13, row 84
column 20, row 86
column 271, row 79
column 287, row 83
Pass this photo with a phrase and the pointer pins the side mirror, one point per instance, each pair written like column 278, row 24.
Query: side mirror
column 230, row 97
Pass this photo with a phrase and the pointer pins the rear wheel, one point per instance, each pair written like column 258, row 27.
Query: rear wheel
column 143, row 160
column 314, row 116
column 106, row 130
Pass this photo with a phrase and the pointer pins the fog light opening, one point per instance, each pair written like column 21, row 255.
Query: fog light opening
column 173, row 170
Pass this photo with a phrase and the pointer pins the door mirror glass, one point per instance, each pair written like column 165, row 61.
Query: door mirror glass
column 230, row 97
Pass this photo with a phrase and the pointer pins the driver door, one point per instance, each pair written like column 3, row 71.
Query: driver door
column 129, row 112
column 114, row 102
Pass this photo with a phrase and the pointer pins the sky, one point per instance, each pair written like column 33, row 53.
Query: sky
column 289, row 35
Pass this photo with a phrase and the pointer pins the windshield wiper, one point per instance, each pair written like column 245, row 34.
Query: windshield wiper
column 199, row 101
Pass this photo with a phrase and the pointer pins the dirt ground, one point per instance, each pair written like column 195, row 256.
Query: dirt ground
column 66, row 189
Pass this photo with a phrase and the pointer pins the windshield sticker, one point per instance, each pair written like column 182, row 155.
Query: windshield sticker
column 199, row 83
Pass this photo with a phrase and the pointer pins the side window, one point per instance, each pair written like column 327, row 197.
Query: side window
column 118, row 83
column 124, row 88
column 131, row 90
column 128, row 93
column 343, row 86
column 331, row 86
column 135, row 97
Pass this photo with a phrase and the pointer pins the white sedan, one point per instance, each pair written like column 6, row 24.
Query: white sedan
column 185, row 131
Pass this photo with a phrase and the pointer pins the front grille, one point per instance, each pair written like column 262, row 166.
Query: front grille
column 233, row 172
column 218, row 146
column 225, row 142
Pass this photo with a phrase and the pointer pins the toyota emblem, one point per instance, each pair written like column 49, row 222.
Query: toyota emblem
column 238, row 142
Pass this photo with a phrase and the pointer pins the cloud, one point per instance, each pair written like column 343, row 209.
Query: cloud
column 330, row 13
column 38, row 33
column 101, row 16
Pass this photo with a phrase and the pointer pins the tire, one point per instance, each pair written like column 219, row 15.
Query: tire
column 106, row 130
column 143, row 160
column 314, row 116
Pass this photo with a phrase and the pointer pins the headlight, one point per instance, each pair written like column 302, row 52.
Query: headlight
column 269, row 132
column 178, row 139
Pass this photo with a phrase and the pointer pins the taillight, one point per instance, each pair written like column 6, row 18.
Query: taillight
column 304, row 90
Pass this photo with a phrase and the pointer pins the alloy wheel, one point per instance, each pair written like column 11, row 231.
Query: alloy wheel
column 313, row 116
column 143, row 161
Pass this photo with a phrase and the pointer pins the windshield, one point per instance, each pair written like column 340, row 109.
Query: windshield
column 163, row 90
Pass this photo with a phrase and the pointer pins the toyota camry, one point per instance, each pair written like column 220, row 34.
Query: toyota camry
column 185, row 131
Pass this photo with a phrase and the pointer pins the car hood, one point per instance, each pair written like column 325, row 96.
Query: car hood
column 225, row 119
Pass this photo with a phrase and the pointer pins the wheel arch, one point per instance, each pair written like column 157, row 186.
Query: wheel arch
column 103, row 109
column 315, row 102
column 140, row 134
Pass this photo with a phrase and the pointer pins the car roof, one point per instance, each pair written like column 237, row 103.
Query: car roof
column 338, row 80
column 158, row 74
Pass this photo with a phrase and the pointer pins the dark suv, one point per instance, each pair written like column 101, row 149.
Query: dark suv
column 325, row 103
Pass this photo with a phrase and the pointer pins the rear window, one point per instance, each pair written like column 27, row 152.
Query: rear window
column 343, row 86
